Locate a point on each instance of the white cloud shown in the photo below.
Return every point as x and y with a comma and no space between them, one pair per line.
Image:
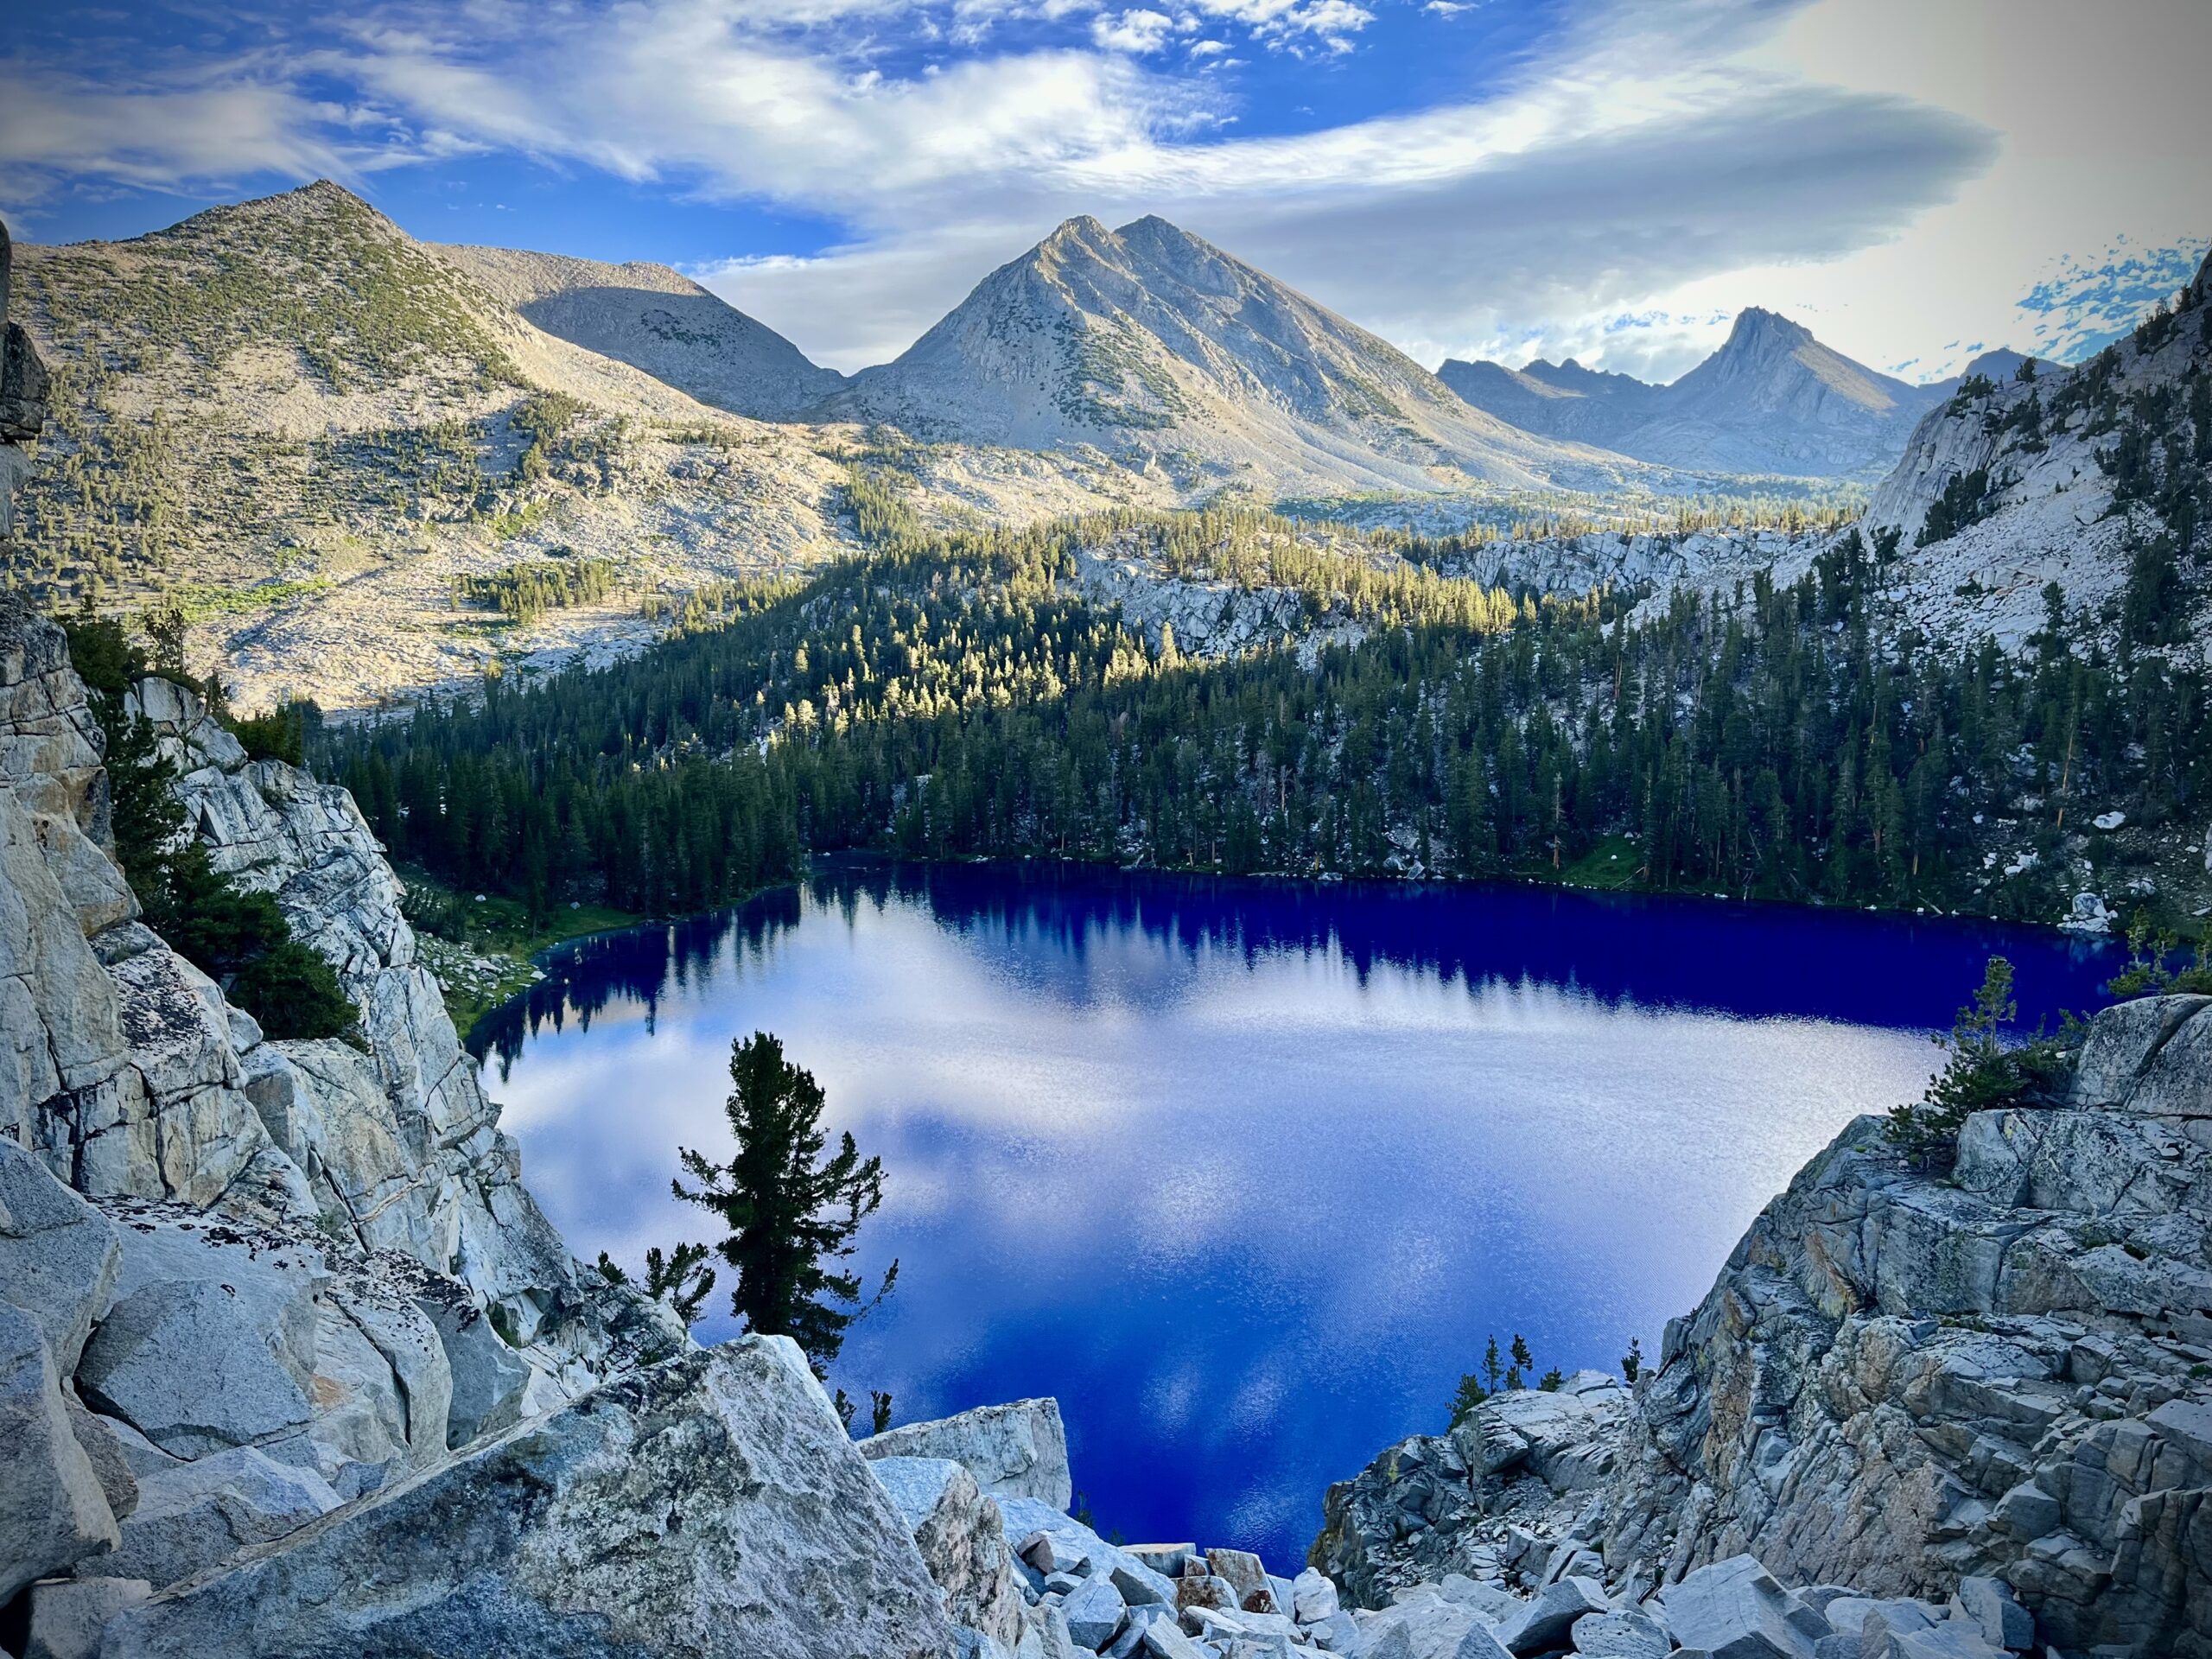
1332,22
677,92
223,124
1896,174
1136,31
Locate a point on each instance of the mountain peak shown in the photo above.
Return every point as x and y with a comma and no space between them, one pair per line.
1755,325
1081,228
1153,228
1151,339
324,199
269,220
327,190
1772,399
655,320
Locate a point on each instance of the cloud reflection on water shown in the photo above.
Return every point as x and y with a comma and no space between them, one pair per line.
1244,1173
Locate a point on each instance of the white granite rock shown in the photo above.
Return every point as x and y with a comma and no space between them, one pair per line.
53,1512
1548,1620
67,1615
962,1541
58,1256
1019,1449
711,1506
211,1343
192,1515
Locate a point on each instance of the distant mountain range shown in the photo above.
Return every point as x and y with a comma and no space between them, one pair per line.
1146,342
1772,399
306,426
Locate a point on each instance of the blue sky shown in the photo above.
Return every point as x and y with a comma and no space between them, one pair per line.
1509,178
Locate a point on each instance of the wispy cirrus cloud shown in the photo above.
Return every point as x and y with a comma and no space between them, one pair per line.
676,95
227,120
1614,170
1667,160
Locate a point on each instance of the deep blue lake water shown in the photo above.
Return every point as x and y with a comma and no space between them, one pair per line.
1245,1171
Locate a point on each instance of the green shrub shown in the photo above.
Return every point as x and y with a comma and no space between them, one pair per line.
527,590
239,937
1982,1073
280,734
292,993
144,814
102,651
2147,973
1468,1395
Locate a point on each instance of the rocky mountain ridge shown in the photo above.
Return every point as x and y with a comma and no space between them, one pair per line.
1772,399
1156,347
658,322
2016,483
304,427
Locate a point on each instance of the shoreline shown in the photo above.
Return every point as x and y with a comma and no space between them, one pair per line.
1516,881
1762,916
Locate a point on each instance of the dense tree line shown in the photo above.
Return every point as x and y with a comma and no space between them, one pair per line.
958,697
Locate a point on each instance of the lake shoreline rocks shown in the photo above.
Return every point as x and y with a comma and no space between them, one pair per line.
290,1363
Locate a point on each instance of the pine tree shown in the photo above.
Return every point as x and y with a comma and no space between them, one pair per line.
1468,1395
1523,1363
681,1278
1981,1073
792,1213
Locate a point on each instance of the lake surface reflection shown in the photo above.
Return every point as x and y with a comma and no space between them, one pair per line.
1244,1172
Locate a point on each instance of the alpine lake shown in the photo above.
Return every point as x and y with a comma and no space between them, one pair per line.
1246,1172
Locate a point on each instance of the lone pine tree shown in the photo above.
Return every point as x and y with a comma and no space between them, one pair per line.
792,1214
